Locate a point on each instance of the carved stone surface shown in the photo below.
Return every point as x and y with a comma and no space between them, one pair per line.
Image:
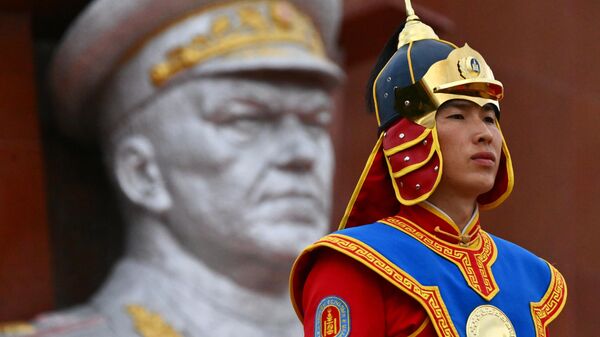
223,167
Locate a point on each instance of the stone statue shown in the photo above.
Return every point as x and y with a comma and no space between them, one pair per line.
213,118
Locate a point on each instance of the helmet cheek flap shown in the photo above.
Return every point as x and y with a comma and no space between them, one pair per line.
413,159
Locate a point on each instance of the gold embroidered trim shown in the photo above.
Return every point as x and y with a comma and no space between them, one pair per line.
241,26
548,308
431,208
17,328
475,264
428,296
150,324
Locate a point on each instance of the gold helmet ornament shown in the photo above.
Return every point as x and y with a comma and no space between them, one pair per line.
415,75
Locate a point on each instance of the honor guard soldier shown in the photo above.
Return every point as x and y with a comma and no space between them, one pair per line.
410,257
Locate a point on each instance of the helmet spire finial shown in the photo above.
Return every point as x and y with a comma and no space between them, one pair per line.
409,10
414,29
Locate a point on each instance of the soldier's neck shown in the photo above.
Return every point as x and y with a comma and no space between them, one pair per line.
458,207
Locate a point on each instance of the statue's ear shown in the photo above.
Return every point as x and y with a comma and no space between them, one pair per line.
138,174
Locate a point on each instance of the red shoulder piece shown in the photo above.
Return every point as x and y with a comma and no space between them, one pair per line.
375,308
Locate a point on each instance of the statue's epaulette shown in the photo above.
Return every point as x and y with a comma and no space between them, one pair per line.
73,323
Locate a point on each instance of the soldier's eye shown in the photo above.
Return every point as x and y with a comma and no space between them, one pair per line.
489,119
456,116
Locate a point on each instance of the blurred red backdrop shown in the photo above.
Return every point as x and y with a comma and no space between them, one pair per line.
543,53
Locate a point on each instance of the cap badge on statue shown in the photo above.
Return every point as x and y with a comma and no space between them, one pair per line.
238,28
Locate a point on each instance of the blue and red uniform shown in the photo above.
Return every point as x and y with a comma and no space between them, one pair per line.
416,274
399,266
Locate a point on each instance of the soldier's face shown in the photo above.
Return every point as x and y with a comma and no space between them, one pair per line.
248,164
470,142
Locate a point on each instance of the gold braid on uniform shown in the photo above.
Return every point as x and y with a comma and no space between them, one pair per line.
150,324
17,328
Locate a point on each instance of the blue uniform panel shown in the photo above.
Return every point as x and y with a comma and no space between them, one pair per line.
521,276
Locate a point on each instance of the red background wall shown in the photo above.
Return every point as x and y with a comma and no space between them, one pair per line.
25,276
543,52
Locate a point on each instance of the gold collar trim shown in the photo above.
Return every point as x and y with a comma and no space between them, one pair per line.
475,263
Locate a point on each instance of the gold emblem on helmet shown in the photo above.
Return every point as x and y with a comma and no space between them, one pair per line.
488,321
469,67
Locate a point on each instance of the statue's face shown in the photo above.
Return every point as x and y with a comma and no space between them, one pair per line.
248,165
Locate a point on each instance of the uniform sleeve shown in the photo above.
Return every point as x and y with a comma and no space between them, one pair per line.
405,316
335,276
376,308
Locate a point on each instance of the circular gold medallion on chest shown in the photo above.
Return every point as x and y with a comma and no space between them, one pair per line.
488,321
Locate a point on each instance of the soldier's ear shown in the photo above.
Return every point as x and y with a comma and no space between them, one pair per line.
138,174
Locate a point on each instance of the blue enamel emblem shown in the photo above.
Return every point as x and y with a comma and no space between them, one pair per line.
475,65
332,318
